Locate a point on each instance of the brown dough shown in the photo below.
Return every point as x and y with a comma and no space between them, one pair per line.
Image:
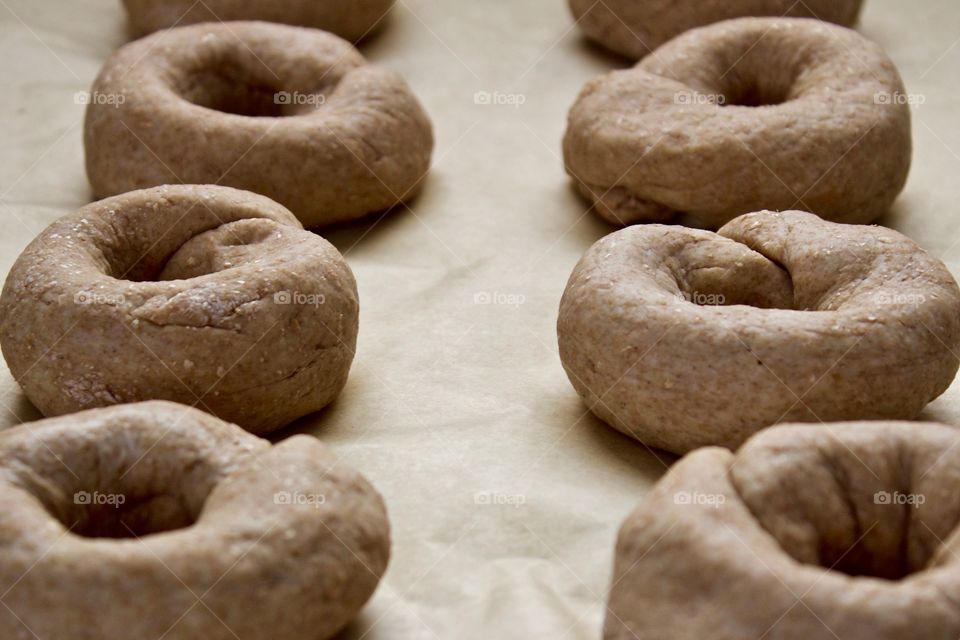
118,521
634,28
744,115
198,294
683,338
350,19
291,113
735,546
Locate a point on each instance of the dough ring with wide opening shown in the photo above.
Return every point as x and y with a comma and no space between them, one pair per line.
634,28
203,295
350,19
808,532
744,115
294,114
684,338
157,520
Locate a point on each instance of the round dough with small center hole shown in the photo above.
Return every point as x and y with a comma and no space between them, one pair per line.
155,520
807,532
295,114
740,116
203,295
684,338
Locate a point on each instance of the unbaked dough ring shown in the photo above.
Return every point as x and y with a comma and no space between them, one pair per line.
634,28
294,114
198,294
683,338
350,19
744,115
223,535
808,532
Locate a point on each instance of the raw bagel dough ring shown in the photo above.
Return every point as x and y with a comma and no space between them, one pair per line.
294,114
725,543
677,133
198,294
684,338
280,541
350,19
634,28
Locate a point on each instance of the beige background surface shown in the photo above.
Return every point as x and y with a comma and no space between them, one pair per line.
452,396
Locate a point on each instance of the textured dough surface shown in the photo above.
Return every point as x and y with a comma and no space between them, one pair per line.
684,338
203,295
350,19
294,114
279,541
744,115
634,28
733,546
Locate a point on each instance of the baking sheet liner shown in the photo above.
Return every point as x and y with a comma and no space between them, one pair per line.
504,494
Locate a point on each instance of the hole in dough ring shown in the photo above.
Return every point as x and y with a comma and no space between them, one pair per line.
203,295
684,338
860,518
280,541
634,29
291,113
350,19
744,115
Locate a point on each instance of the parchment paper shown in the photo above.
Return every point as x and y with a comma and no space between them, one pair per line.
504,495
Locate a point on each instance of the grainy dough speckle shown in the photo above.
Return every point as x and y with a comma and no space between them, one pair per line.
181,293
350,19
294,114
725,543
684,338
634,28
744,115
117,520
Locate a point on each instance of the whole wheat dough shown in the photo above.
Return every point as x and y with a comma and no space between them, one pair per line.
203,295
155,520
683,338
634,28
350,19
294,114
740,116
808,532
